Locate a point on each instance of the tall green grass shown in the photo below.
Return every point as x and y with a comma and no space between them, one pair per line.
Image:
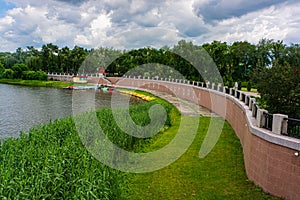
50,162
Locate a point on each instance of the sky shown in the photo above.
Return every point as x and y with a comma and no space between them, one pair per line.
127,24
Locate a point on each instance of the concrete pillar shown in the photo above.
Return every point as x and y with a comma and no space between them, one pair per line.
252,101
235,94
241,96
247,99
213,86
279,125
253,108
224,89
260,119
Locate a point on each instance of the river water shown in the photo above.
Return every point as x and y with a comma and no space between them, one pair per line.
23,107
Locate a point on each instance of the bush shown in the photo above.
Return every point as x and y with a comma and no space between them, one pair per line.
239,85
29,75
8,73
42,76
32,75
244,84
249,86
19,69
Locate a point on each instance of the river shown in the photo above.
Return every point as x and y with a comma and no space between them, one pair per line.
23,107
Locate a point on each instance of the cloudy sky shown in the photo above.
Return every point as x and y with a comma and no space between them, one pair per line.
139,23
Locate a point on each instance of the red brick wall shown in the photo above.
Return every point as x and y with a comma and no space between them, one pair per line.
273,167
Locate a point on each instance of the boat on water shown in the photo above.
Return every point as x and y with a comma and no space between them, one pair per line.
81,87
104,88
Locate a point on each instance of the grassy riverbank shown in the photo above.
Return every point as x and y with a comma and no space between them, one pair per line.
36,83
50,162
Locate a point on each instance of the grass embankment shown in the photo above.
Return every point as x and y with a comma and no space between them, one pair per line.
36,83
220,175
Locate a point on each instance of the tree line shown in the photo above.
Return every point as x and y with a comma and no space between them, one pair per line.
271,65
235,62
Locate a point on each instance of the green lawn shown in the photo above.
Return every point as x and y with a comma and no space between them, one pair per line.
220,175
33,83
252,90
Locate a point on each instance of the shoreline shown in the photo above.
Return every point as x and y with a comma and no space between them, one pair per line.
36,83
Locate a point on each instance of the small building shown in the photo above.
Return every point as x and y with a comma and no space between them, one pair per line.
102,72
80,79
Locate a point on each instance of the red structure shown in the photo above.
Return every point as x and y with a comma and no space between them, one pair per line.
102,71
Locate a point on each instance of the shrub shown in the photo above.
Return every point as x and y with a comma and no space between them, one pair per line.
18,69
42,76
8,73
249,86
32,75
29,75
239,85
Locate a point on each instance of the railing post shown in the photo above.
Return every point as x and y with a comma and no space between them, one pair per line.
241,96
212,86
279,125
251,102
253,109
247,99
260,120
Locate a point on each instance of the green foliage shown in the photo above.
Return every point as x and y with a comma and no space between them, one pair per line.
18,70
236,61
280,89
2,68
8,73
239,85
249,86
29,75
21,71
52,163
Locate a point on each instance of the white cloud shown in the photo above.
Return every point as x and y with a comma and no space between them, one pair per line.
138,23
276,23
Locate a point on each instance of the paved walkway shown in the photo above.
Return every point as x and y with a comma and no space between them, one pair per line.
185,107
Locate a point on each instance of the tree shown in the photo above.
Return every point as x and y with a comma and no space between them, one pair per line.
278,53
279,88
219,51
243,59
18,70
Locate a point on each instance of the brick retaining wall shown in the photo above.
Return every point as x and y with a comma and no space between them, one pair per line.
270,160
273,167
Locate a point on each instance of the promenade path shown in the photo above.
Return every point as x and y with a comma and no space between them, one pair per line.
187,108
